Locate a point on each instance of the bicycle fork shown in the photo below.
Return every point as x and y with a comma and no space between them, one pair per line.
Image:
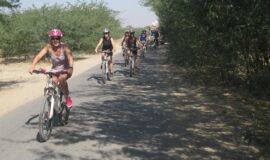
55,103
52,102
106,67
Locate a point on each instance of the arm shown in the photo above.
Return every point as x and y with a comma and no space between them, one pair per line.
123,40
99,43
38,57
138,43
70,60
69,56
113,45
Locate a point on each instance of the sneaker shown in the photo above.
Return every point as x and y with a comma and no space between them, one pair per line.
100,66
68,102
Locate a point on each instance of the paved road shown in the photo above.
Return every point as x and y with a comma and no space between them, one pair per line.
155,115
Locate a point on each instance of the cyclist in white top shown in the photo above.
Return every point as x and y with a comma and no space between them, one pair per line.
61,58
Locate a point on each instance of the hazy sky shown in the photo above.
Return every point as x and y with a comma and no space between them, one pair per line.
131,12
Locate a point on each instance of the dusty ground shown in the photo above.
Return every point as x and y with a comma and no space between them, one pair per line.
16,82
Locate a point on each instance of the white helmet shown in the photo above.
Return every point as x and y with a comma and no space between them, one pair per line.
106,30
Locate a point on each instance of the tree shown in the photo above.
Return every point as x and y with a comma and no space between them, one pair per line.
9,4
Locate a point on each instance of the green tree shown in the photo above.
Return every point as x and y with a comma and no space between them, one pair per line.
9,3
25,32
230,38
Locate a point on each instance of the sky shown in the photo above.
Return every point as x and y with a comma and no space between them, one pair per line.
131,12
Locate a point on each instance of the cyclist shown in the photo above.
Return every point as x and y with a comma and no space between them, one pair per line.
155,34
107,44
132,44
61,58
143,38
124,39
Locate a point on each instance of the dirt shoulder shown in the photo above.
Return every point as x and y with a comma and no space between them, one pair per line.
18,87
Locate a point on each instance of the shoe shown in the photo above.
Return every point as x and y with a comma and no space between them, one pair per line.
68,102
100,66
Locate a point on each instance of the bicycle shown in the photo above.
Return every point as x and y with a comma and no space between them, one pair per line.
54,110
132,60
126,56
143,48
105,66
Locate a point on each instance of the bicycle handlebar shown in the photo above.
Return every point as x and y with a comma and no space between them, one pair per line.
51,72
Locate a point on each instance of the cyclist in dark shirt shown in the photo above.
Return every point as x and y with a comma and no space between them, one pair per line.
132,44
107,44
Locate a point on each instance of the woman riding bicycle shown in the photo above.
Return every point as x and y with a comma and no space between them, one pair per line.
143,37
62,60
132,44
125,38
107,45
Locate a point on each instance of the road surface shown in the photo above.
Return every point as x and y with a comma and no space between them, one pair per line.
155,115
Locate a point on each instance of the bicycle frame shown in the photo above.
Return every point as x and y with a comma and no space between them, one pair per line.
105,65
53,93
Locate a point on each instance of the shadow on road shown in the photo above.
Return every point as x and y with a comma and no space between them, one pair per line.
157,115
8,84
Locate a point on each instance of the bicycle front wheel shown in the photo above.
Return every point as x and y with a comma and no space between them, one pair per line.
126,59
104,74
144,50
45,122
131,67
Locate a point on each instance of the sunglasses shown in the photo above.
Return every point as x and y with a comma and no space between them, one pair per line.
55,38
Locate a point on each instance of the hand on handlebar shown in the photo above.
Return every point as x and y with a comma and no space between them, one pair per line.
38,71
31,69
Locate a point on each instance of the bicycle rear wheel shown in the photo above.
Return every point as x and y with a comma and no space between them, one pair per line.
64,114
131,67
144,51
45,123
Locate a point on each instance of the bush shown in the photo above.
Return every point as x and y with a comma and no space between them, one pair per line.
26,32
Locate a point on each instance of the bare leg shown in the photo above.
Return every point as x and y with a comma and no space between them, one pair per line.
63,84
55,80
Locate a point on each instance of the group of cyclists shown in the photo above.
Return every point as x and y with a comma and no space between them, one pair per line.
62,58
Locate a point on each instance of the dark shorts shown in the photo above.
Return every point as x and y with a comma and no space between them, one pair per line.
134,51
